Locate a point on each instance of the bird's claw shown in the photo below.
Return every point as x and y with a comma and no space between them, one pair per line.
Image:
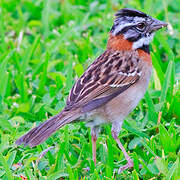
130,164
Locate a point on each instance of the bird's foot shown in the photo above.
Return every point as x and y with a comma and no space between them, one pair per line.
130,164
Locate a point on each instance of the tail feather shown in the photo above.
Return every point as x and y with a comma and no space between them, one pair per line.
40,133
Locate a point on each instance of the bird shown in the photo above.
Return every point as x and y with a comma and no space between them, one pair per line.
112,86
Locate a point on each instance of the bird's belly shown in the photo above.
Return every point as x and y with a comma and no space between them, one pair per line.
115,110
118,108
95,118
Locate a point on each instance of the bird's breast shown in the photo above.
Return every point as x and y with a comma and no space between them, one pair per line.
119,107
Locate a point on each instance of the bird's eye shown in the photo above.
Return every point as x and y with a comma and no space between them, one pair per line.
141,26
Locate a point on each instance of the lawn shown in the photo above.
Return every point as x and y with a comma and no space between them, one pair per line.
44,47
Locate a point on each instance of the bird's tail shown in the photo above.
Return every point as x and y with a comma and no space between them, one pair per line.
40,133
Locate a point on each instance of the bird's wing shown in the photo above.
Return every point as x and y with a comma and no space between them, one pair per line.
108,76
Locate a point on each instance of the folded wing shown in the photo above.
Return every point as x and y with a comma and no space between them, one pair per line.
109,75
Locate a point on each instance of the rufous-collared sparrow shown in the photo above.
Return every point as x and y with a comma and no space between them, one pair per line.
112,85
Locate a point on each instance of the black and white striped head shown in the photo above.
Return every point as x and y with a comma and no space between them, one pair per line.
136,27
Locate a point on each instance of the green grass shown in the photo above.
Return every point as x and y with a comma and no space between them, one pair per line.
44,47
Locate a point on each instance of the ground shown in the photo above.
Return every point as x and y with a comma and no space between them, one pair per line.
44,47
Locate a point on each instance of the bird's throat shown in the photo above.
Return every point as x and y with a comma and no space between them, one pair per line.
119,43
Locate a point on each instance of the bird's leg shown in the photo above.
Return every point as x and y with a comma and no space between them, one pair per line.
94,134
116,127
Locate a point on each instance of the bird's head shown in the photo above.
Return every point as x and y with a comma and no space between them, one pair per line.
136,27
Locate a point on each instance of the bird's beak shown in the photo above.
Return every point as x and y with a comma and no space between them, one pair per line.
156,25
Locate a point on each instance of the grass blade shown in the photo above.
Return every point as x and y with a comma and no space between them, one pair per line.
5,124
29,53
6,167
152,115
127,126
29,174
135,175
172,170
2,32
45,17
161,166
3,73
43,75
157,67
58,175
166,83
166,139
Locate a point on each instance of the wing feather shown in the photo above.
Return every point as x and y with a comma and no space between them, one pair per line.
108,76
